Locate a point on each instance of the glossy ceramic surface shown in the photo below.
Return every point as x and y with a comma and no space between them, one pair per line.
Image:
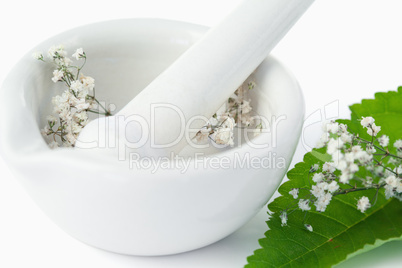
110,205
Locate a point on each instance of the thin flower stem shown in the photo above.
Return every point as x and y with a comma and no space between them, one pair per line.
296,208
379,148
95,112
304,218
66,81
107,113
346,191
368,142
388,154
308,189
374,200
82,66
387,168
392,155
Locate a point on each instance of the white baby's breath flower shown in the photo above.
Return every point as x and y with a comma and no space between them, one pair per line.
81,105
73,101
57,76
304,204
88,82
79,53
45,131
79,89
37,56
308,227
333,186
71,138
60,99
228,122
343,128
345,177
202,135
342,165
326,198
76,129
76,86
332,127
65,115
53,145
246,119
398,145
373,130
318,177
284,218
81,116
368,181
224,136
353,168
328,167
399,187
393,161
319,189
356,149
245,107
388,173
379,171
346,137
350,157
319,206
322,202
392,181
363,204
294,192
63,62
370,149
51,118
333,145
94,105
52,52
363,157
67,95
389,191
236,111
314,168
56,52
337,157
367,121
398,170
383,140
322,141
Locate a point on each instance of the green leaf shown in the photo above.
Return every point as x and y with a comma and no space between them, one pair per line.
321,156
386,109
341,231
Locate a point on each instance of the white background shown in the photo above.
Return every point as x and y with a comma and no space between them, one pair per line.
341,51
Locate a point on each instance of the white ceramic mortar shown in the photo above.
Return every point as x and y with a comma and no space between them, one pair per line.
105,203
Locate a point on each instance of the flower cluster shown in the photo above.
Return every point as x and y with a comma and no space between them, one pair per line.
73,105
236,112
351,154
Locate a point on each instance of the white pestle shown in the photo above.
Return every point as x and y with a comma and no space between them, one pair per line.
198,82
